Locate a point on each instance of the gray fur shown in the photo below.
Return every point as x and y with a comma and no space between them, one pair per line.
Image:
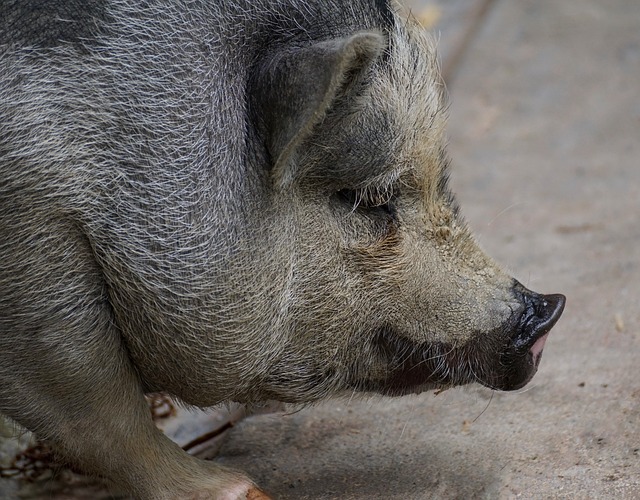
238,200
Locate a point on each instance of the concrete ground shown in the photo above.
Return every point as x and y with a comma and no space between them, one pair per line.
545,141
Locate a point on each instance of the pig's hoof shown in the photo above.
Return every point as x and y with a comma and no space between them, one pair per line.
256,494
239,492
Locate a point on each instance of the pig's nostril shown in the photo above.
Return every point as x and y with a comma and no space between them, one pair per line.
551,306
541,312
536,316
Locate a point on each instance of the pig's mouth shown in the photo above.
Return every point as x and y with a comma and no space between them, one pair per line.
505,359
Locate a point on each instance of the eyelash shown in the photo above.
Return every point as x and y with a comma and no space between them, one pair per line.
369,200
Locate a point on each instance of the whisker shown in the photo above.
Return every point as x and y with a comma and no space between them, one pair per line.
485,408
504,210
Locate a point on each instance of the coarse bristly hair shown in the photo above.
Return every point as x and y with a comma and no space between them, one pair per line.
240,200
124,139
128,134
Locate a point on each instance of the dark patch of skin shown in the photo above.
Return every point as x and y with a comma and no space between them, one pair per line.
49,23
493,359
414,367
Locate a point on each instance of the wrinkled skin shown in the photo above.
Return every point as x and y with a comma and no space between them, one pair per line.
244,201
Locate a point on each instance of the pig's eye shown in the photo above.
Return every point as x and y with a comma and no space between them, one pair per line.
370,201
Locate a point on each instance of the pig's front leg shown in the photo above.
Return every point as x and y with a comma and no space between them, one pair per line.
88,402
66,375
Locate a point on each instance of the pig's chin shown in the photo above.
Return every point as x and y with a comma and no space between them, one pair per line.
411,367
505,359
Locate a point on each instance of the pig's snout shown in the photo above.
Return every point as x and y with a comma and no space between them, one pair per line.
538,315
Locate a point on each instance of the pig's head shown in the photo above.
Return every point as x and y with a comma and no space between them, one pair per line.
375,280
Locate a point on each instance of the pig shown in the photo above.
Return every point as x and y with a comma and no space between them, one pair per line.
243,200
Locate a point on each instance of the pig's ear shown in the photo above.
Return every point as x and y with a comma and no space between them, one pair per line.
295,89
